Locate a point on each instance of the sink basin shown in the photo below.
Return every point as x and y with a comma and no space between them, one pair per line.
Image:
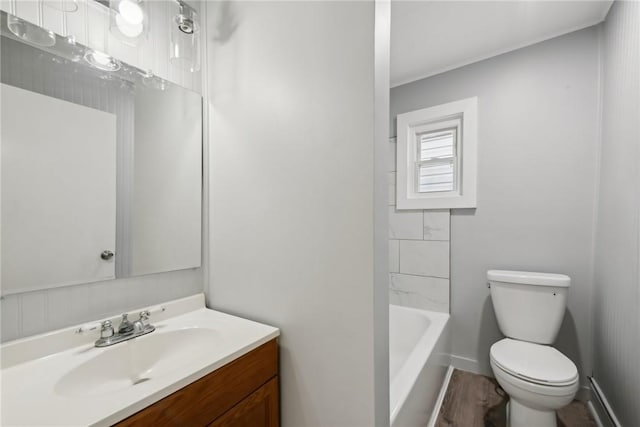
62,376
136,361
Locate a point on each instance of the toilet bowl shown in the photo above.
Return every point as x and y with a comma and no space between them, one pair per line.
538,378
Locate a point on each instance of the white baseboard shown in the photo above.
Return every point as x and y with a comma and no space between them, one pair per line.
584,394
469,365
465,364
441,395
594,413
600,407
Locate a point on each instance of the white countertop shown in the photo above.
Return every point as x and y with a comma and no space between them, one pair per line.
35,369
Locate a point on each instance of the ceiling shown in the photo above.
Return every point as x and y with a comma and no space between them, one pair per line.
431,37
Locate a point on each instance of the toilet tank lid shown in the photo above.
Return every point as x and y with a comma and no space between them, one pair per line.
529,278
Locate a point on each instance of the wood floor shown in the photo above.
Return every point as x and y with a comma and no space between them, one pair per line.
477,401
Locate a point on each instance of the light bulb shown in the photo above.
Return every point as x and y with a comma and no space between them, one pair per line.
128,29
131,12
101,58
102,61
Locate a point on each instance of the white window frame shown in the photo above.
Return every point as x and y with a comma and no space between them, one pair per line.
443,125
460,114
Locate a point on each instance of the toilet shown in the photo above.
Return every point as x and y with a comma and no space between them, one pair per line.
538,378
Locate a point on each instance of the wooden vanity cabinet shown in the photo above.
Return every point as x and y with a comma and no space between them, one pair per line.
243,393
259,409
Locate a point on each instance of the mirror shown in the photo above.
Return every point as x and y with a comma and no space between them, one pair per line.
101,168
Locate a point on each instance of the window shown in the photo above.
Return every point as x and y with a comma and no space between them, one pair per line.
436,161
437,150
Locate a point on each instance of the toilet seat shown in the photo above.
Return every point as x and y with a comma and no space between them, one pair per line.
534,363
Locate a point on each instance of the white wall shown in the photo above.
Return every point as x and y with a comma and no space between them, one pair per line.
292,197
537,112
616,298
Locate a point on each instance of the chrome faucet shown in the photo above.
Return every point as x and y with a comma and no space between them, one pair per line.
125,326
126,331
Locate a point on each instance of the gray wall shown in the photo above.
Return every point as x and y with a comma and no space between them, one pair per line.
292,198
616,298
538,114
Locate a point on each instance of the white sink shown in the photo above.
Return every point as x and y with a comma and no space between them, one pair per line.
133,362
60,378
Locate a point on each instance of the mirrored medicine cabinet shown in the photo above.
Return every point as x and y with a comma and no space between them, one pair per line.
101,168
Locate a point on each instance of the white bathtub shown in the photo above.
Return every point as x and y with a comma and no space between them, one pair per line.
419,357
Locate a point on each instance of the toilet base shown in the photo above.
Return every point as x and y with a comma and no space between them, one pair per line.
519,415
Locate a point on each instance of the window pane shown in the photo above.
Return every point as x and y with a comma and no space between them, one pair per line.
436,176
440,144
436,169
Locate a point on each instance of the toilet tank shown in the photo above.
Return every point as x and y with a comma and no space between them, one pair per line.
529,306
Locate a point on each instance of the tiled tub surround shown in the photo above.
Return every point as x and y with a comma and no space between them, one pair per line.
418,252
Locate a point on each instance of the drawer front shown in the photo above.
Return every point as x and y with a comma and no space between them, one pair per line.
204,400
260,409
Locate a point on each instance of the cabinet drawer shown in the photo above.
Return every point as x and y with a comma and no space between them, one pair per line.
260,409
206,399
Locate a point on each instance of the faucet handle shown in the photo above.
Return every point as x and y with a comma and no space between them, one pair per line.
144,317
125,325
106,329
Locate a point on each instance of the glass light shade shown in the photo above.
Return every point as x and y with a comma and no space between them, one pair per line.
30,33
67,6
185,40
154,82
102,61
129,20
68,48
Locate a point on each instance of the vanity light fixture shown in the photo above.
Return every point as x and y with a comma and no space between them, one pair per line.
102,61
67,6
70,50
152,81
185,24
128,20
33,34
185,38
30,33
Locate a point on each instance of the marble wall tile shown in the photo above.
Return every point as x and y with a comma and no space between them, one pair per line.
424,258
406,225
436,224
427,293
418,252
